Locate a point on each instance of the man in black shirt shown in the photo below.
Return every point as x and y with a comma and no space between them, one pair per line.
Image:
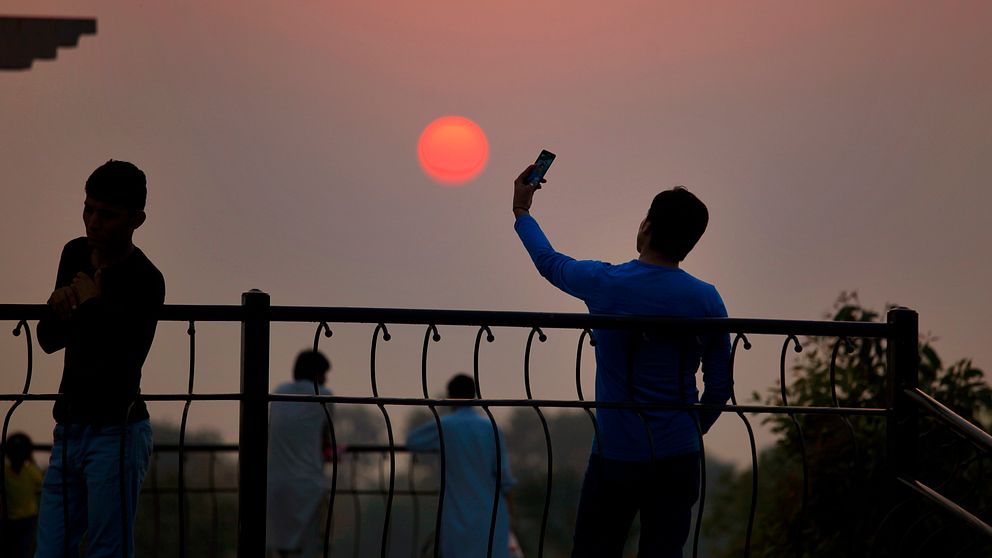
103,313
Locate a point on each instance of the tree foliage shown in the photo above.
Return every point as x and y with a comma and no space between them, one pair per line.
852,505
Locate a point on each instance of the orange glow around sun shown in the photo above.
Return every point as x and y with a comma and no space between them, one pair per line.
453,150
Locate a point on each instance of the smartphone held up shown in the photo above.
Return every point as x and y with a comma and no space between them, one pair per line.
541,166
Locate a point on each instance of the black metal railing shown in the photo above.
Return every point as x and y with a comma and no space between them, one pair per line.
256,316
164,480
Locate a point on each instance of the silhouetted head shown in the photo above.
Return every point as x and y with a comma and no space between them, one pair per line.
462,386
118,183
18,450
674,224
310,366
115,205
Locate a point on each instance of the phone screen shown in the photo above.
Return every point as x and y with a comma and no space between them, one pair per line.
541,166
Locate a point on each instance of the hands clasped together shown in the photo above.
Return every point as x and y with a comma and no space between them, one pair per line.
66,299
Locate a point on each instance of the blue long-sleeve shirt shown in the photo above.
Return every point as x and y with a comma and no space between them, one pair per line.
632,368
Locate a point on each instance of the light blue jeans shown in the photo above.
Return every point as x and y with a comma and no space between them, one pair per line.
91,478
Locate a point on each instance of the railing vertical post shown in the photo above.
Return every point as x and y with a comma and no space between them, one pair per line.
902,430
254,424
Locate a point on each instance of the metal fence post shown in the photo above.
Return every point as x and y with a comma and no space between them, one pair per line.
253,435
903,360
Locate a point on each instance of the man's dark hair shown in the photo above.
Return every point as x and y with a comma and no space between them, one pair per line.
462,386
18,449
678,219
309,365
119,183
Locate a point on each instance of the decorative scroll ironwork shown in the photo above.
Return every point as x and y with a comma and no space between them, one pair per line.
431,328
798,528
740,337
22,325
578,382
183,501
322,327
497,493
915,489
547,436
384,546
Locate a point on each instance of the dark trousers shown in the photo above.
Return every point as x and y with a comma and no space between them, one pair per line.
91,478
662,491
18,537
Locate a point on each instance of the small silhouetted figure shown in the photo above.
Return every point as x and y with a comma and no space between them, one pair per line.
299,443
19,509
648,466
470,482
103,312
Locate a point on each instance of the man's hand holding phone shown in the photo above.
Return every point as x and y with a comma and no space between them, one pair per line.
530,181
523,192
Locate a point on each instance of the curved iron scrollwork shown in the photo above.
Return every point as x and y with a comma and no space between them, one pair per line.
322,327
384,546
183,502
497,493
913,404
738,339
433,334
22,325
547,436
578,383
797,347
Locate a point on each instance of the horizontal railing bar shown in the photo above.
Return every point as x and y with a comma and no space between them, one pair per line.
231,448
172,490
549,403
384,492
15,312
170,448
145,397
574,321
939,411
948,505
168,490
234,313
169,312
570,404
372,448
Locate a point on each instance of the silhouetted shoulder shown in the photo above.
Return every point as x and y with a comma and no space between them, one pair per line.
76,251
76,245
149,273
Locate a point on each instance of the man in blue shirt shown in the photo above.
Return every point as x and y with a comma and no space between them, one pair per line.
645,462
470,482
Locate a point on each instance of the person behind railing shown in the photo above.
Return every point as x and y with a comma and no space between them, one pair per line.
652,468
103,312
299,442
19,509
470,482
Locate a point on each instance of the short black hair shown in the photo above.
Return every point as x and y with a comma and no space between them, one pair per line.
678,219
309,365
18,449
462,386
119,183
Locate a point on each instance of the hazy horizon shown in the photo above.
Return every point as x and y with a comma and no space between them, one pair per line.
840,146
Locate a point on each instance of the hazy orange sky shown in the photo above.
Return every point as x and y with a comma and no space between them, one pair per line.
839,146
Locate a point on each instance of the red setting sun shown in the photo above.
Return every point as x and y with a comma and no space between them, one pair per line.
453,150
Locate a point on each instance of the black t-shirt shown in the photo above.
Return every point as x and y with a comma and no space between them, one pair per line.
106,340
